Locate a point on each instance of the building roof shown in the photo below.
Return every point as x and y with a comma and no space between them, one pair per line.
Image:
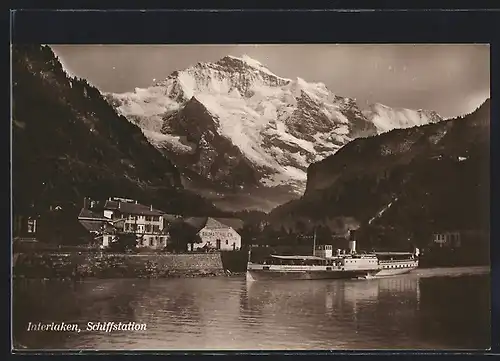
97,225
218,223
87,213
213,223
92,226
199,223
234,223
132,208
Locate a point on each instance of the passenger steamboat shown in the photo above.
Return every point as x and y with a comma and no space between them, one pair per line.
323,264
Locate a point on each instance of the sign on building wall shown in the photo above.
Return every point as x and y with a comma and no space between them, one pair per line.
217,233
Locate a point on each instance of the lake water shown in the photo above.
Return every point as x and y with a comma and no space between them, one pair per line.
426,309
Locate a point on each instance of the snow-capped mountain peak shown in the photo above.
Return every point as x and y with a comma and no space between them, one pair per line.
248,125
254,64
386,118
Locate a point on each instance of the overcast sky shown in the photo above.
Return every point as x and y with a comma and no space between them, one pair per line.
450,79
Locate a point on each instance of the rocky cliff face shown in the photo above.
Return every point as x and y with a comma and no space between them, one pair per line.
236,125
426,178
68,142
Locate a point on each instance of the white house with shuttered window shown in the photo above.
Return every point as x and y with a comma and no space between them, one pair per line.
145,221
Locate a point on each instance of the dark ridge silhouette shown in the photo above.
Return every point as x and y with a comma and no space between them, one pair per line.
68,143
436,178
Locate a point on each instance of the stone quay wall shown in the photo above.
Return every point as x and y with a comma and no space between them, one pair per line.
107,265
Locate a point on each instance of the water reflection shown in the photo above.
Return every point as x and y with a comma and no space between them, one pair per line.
55,301
412,311
358,313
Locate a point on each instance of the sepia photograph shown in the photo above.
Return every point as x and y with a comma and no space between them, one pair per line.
187,197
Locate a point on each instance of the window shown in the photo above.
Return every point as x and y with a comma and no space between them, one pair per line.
148,218
151,241
31,225
148,228
156,218
156,228
227,242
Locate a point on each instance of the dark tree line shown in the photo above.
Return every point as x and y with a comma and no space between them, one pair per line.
68,143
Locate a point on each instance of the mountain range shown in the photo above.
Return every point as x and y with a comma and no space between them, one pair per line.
411,182
69,143
244,137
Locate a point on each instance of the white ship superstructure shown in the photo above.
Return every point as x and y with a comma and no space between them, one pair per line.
324,264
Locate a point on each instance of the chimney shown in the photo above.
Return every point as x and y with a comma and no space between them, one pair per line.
151,208
135,202
85,203
119,204
352,246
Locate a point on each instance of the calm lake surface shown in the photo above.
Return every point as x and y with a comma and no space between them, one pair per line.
427,309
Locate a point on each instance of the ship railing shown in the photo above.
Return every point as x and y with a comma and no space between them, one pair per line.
396,260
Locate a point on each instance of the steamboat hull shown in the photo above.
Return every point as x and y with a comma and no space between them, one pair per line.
257,275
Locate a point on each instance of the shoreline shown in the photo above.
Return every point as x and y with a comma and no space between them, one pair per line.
80,266
77,266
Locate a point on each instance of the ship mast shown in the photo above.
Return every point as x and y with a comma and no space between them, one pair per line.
314,242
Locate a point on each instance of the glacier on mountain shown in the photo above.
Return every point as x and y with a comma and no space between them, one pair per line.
279,125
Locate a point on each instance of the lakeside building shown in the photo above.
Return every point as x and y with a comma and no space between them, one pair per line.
447,239
105,220
129,216
25,226
101,229
30,224
461,238
220,234
121,215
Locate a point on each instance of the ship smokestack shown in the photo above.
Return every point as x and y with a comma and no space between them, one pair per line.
352,246
352,241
